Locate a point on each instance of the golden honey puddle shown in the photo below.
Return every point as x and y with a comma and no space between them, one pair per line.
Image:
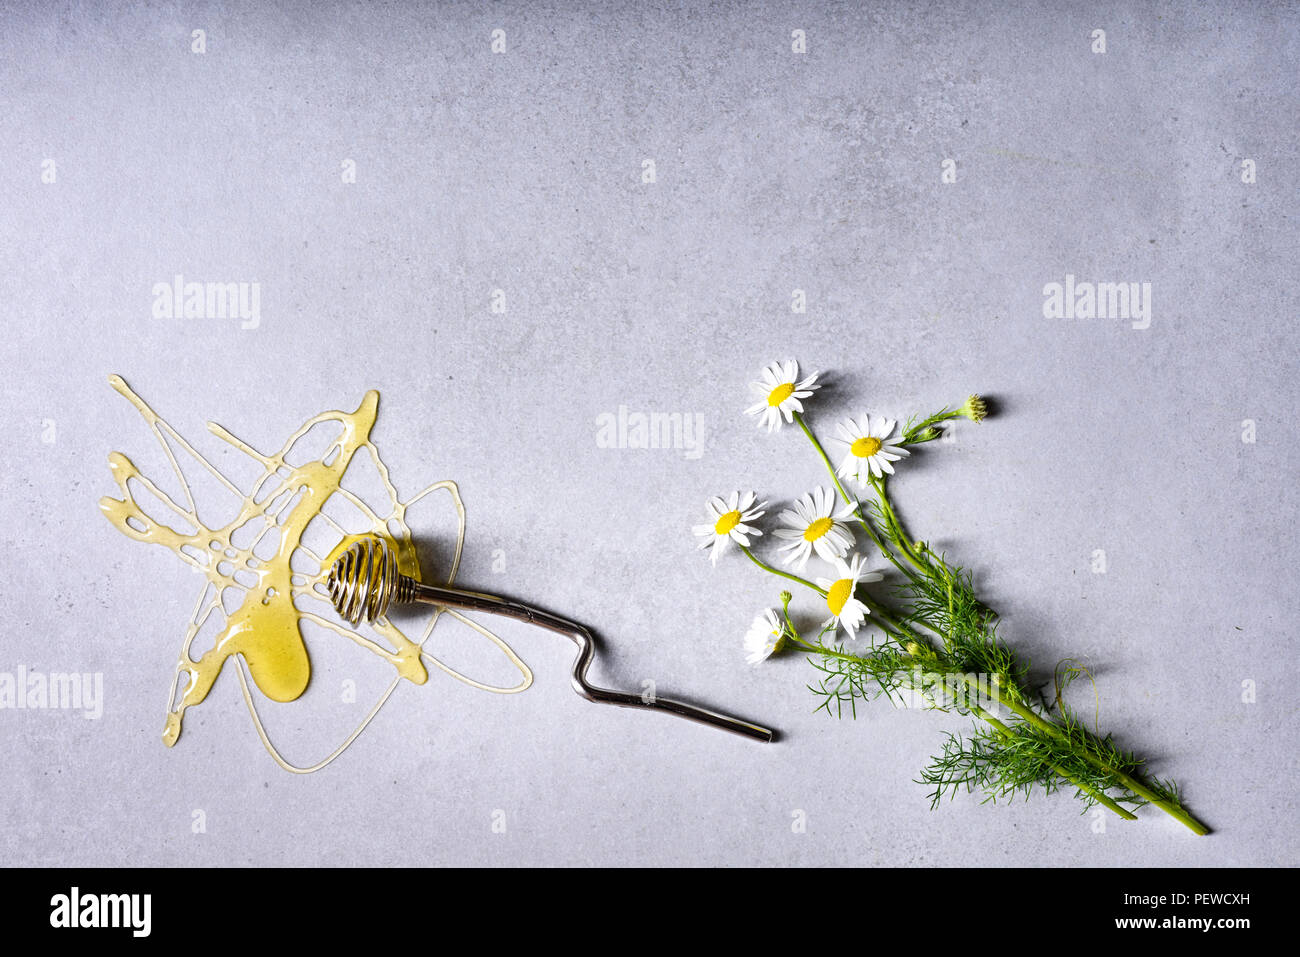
264,631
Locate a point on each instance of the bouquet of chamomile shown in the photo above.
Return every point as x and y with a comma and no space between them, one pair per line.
934,644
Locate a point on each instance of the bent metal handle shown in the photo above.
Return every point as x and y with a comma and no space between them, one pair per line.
365,580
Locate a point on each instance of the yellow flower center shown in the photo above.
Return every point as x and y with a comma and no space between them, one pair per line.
780,393
865,447
727,522
817,529
838,595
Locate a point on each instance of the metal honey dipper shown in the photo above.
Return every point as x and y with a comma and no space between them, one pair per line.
365,580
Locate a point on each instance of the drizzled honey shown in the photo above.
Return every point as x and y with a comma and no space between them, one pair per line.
264,628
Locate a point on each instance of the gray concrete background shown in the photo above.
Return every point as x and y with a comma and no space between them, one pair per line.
775,171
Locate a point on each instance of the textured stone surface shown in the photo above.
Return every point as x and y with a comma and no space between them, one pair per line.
774,171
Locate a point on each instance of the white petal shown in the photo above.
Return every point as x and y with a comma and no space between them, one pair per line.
826,551
837,539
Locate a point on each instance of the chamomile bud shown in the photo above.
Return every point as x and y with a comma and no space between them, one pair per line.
975,408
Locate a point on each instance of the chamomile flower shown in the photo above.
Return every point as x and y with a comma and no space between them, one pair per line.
765,638
846,610
781,391
871,448
814,524
727,522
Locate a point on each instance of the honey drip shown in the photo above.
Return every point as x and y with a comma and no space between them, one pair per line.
263,632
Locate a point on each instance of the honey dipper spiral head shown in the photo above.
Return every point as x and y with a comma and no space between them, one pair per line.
364,580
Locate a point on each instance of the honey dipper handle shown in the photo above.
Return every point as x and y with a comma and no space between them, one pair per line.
410,590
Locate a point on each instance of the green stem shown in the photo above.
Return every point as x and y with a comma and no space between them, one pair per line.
1005,731
1033,718
776,571
823,650
913,435
899,627
896,527
1130,782
1083,786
